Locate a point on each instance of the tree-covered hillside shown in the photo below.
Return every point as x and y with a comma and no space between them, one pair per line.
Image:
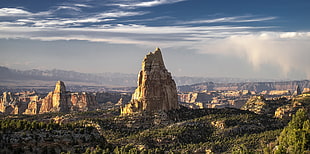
178,131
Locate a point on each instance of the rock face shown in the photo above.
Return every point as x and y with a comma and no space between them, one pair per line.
9,104
56,101
193,97
297,102
60,100
156,89
33,108
260,105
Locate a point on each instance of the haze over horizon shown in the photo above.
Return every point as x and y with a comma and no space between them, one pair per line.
240,39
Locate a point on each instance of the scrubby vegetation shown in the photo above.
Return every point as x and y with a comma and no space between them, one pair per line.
295,138
189,131
177,131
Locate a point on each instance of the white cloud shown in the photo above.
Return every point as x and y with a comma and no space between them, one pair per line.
118,14
146,4
14,12
83,5
68,8
17,12
271,48
45,19
234,19
287,50
292,35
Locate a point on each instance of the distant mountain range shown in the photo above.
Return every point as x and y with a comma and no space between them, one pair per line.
8,75
35,77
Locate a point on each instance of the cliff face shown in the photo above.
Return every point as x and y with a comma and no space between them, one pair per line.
193,97
156,89
82,102
9,104
56,101
33,108
61,101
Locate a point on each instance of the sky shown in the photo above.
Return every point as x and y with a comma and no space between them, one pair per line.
204,38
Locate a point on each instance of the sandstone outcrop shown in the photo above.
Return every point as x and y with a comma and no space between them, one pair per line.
9,104
286,111
60,100
33,108
260,105
156,89
56,101
193,97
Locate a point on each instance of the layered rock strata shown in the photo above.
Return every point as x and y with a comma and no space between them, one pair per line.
156,89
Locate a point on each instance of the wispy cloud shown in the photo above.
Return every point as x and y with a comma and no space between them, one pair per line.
135,4
258,44
82,5
165,35
18,17
234,19
286,50
118,14
13,12
18,12
74,8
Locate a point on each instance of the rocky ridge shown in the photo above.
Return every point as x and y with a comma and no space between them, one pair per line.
279,107
251,86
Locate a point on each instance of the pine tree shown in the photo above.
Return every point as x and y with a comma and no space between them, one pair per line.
295,138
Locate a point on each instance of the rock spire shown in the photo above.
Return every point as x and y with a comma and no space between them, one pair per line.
60,100
156,89
60,87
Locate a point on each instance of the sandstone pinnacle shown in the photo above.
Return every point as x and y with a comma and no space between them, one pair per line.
156,89
60,100
60,87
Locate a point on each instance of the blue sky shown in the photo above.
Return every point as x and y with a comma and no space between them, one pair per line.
245,39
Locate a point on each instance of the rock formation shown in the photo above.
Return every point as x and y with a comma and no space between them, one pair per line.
82,102
193,97
297,91
7,103
261,105
10,104
156,89
60,100
297,102
251,86
56,101
33,108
